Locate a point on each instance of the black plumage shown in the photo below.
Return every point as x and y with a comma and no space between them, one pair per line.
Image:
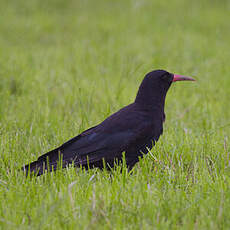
134,129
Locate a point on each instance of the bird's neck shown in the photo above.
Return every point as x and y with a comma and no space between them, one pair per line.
154,107
151,99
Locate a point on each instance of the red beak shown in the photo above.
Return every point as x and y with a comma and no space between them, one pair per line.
182,78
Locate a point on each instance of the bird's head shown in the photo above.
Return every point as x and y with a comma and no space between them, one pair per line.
155,85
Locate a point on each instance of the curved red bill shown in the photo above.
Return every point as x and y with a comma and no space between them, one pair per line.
177,77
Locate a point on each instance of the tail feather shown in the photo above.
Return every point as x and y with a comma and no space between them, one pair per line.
35,167
54,160
48,163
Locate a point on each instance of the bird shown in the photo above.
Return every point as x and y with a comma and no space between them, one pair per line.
130,132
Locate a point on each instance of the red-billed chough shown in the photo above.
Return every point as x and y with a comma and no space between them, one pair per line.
134,129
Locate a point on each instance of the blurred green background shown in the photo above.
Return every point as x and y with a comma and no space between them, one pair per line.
67,65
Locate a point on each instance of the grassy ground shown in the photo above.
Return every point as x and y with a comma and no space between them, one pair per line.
67,65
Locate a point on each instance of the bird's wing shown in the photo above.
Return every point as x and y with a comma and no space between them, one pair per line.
113,136
90,146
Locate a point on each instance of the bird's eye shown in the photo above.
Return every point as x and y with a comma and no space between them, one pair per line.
166,77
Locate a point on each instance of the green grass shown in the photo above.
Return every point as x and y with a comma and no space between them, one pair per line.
67,65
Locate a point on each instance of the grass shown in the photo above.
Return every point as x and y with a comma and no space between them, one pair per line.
67,65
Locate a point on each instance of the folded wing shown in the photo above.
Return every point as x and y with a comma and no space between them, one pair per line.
87,149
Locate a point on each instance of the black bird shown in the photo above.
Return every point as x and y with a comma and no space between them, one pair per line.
134,129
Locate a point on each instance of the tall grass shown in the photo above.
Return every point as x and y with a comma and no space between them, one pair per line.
67,65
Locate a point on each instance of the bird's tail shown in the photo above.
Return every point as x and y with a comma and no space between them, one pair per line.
34,167
50,161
